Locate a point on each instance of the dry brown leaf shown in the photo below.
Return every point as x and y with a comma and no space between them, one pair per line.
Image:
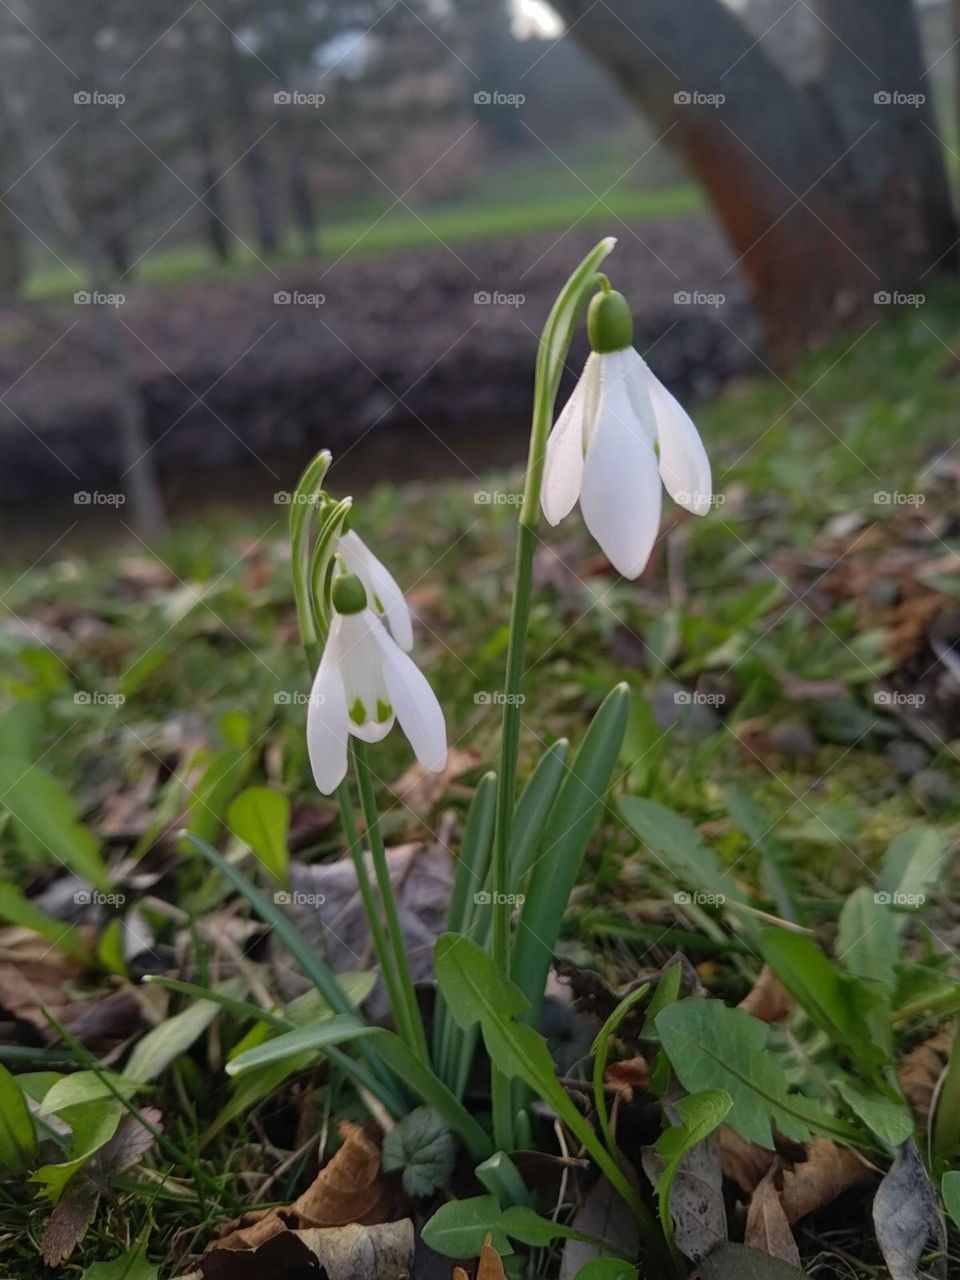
349,1190
421,790
628,1077
828,1171
767,1226
742,1162
70,1219
460,1274
920,1070
491,1266
380,1252
768,999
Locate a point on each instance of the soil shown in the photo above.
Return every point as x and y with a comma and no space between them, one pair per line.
401,347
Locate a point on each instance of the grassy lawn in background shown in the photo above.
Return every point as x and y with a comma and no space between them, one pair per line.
593,184
754,647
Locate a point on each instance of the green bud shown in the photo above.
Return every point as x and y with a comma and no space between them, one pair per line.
609,322
349,594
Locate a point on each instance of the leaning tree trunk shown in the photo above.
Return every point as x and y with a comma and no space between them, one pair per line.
874,82
780,176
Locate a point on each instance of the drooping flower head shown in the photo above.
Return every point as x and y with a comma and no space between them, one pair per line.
618,436
363,684
383,592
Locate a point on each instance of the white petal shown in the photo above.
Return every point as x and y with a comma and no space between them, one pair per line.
381,586
327,730
621,487
416,705
563,468
684,465
360,661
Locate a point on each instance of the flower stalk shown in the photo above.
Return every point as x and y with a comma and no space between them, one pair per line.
551,354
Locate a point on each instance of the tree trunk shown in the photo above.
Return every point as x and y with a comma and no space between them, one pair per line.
782,181
254,165
875,85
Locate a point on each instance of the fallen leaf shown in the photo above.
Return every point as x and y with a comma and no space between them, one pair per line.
768,999
354,1252
742,1162
739,1262
908,1220
697,1209
604,1215
70,1219
767,1227
349,1190
920,1070
491,1266
827,1173
421,790
628,1077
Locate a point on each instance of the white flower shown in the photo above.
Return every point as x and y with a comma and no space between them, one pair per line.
621,433
364,682
382,589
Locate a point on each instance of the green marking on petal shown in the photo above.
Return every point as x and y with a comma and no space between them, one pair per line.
384,711
378,603
358,712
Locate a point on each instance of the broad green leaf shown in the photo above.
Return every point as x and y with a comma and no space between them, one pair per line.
837,1004
606,1269
82,1087
711,1046
131,1265
867,943
260,817
888,1119
776,865
17,909
476,991
950,1190
222,778
423,1149
700,1114
536,801
432,1091
165,1043
914,861
48,823
18,1138
337,1030
93,1124
459,1228
564,843
676,843
526,1225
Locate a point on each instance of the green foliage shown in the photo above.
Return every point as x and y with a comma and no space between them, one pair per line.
18,1138
700,1115
260,817
711,1046
47,821
335,1031
131,1265
422,1148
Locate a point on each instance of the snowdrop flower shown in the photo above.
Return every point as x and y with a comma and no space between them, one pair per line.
364,682
382,589
621,433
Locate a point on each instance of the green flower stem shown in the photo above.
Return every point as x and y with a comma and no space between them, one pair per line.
551,354
405,1009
